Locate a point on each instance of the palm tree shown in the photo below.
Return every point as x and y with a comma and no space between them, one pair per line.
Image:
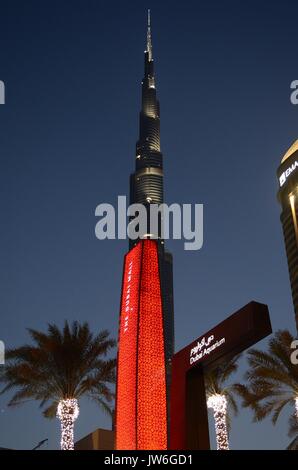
272,381
293,432
221,398
58,369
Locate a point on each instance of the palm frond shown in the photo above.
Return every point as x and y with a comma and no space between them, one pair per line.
51,410
60,364
271,382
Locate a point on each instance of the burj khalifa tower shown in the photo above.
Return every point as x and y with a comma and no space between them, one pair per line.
146,321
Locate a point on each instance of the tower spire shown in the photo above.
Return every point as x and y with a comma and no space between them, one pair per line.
149,41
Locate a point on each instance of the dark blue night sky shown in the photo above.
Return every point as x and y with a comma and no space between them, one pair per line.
72,71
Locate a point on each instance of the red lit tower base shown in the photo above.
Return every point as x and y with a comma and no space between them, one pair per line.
141,406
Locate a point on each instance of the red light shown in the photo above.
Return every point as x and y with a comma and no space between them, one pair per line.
127,352
141,414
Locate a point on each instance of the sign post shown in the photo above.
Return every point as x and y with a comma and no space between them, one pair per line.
189,417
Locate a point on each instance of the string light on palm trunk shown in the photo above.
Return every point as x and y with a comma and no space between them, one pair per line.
67,412
296,406
218,403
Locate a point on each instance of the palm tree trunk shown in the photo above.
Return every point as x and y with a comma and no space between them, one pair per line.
67,412
219,405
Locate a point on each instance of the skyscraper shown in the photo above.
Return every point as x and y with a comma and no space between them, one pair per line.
146,325
146,183
288,197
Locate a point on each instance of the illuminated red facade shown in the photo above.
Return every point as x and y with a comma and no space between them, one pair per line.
141,405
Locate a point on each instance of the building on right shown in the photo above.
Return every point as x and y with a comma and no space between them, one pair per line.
287,174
